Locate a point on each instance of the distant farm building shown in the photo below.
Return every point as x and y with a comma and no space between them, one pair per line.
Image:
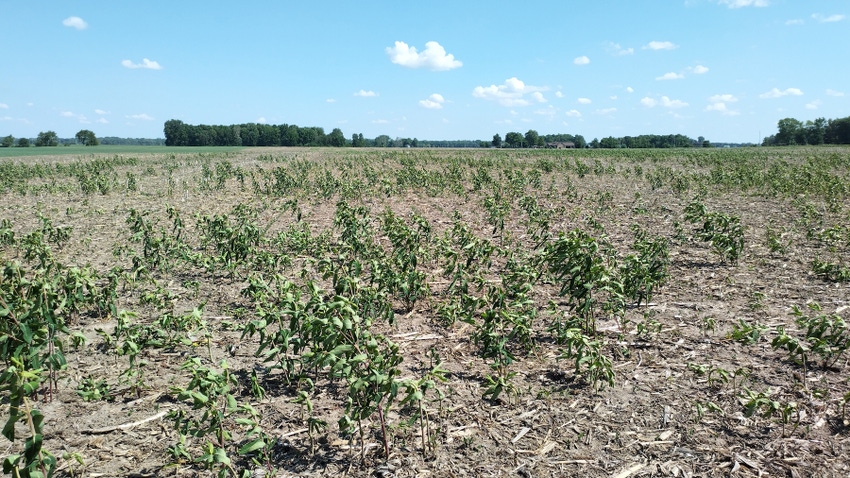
561,145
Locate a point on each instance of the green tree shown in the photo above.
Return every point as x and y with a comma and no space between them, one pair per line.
23,143
594,143
816,131
8,141
382,141
497,141
531,138
514,139
838,131
87,138
47,138
579,141
790,130
336,138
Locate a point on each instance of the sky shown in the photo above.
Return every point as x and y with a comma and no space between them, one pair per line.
727,70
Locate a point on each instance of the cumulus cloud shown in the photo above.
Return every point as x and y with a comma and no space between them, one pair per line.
670,76
777,93
142,116
4,106
813,105
718,103
723,98
549,111
261,120
665,101
744,3
629,89
433,57
834,93
511,93
146,64
101,112
827,19
366,93
75,22
582,60
79,117
699,70
616,49
660,45
330,100
558,94
605,111
584,101
573,114
433,102
795,21
102,121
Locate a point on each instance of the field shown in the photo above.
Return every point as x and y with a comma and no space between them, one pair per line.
429,313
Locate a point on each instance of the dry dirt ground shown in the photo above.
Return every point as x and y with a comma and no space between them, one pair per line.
681,379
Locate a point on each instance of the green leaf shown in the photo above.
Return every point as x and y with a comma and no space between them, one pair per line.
252,446
220,456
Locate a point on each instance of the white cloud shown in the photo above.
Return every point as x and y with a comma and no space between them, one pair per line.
101,112
75,22
605,111
4,106
582,60
629,89
584,101
668,103
813,105
510,94
434,57
558,94
366,94
795,21
538,97
330,100
827,19
434,102
744,3
143,117
573,114
146,64
67,114
724,98
613,97
261,120
616,49
665,101
660,45
777,93
699,70
670,76
102,121
834,93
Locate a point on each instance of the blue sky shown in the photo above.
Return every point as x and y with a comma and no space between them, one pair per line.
727,70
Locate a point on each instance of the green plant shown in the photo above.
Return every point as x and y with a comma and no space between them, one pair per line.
724,232
94,390
22,382
210,393
746,332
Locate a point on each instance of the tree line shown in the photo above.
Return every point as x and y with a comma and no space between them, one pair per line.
820,131
532,139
